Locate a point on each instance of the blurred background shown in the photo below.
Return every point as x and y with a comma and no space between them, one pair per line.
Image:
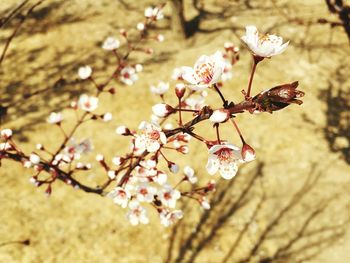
290,205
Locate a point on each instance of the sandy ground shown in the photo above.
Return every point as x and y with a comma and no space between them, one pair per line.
72,226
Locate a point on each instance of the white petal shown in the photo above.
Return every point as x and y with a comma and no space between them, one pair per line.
212,165
228,171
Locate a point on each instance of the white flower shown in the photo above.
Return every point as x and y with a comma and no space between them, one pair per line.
6,133
162,110
263,45
168,218
87,103
55,117
99,157
107,117
74,150
150,139
224,158
220,115
34,158
206,71
120,196
128,75
137,214
160,89
111,43
168,196
154,13
161,178
84,72
145,193
189,174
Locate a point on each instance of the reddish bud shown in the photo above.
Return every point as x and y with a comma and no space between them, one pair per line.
180,90
248,153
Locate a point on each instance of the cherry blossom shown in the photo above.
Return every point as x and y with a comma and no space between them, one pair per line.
111,43
137,214
206,71
160,89
168,196
128,75
145,193
88,103
150,139
189,175
261,45
55,118
225,159
120,196
168,218
84,72
154,13
34,158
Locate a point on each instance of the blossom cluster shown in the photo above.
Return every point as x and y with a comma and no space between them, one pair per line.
146,177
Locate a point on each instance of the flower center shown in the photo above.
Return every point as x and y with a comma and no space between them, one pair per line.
167,196
205,72
143,191
225,155
154,135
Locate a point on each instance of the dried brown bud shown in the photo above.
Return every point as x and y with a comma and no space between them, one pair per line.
278,97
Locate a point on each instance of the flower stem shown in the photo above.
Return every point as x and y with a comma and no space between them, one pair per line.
224,101
256,61
238,130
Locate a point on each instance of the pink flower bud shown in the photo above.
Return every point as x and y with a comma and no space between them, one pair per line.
162,110
248,153
180,90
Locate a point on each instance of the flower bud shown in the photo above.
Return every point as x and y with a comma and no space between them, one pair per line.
248,153
160,38
220,115
34,158
85,72
204,203
99,157
111,174
123,130
173,167
6,134
279,97
162,110
140,26
180,90
107,117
